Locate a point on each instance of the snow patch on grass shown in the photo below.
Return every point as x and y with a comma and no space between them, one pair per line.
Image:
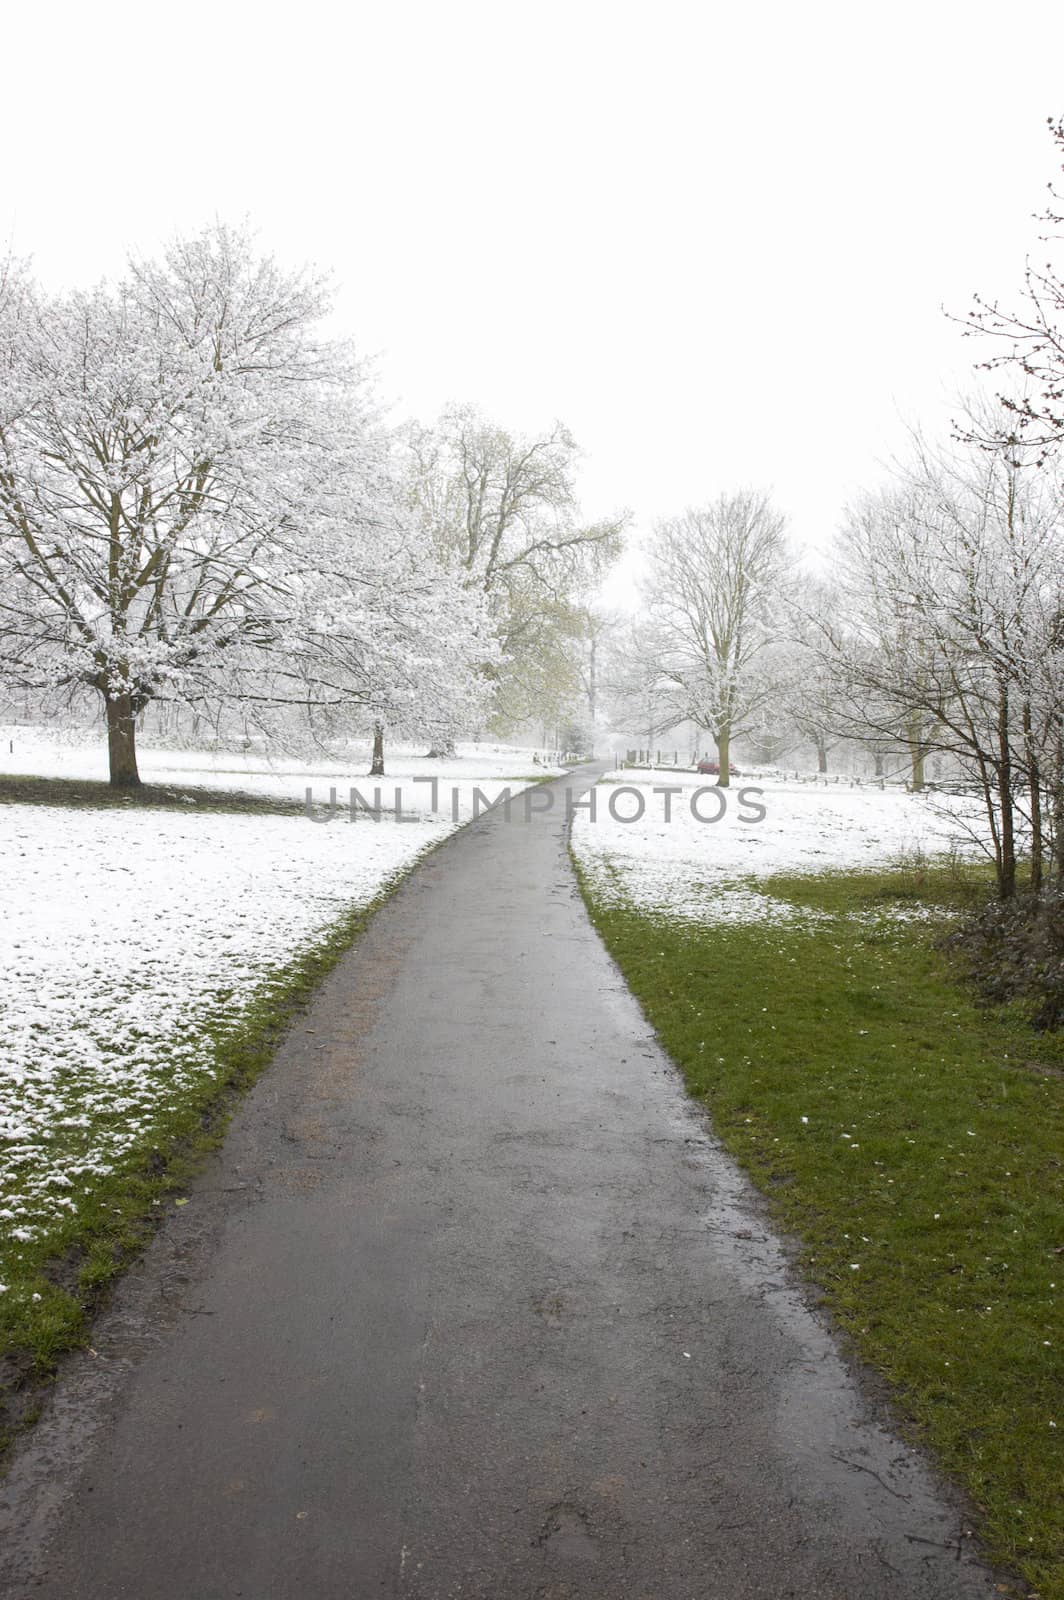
707,872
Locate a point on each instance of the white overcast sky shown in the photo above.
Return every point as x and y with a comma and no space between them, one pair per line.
715,239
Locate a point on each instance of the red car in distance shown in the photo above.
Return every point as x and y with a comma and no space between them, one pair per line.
712,768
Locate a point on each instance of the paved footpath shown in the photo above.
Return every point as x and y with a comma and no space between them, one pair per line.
471,1305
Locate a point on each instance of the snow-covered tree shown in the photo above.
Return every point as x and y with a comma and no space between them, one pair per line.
397,644
808,690
638,694
879,670
713,596
596,626
502,510
950,630
198,502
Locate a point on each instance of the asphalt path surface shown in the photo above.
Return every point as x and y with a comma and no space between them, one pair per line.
471,1304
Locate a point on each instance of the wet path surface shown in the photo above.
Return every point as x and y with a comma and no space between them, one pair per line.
470,1305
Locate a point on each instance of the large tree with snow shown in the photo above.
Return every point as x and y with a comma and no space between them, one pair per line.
196,499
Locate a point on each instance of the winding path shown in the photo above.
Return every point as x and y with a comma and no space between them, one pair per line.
470,1304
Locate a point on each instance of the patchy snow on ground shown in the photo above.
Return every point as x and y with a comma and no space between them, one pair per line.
698,853
127,934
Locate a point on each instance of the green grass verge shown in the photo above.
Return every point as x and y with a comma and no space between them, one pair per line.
911,1141
54,1285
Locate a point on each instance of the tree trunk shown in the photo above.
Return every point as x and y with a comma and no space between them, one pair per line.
1007,872
821,756
121,741
916,755
1057,808
723,740
879,764
376,769
1034,789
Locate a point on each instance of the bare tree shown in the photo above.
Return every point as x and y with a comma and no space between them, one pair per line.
1034,334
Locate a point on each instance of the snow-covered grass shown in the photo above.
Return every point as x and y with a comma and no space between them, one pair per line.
27,750
133,940
699,855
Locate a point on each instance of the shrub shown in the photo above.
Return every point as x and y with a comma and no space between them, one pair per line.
1014,950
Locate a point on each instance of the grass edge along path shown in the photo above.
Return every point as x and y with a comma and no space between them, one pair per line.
909,1140
70,1270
